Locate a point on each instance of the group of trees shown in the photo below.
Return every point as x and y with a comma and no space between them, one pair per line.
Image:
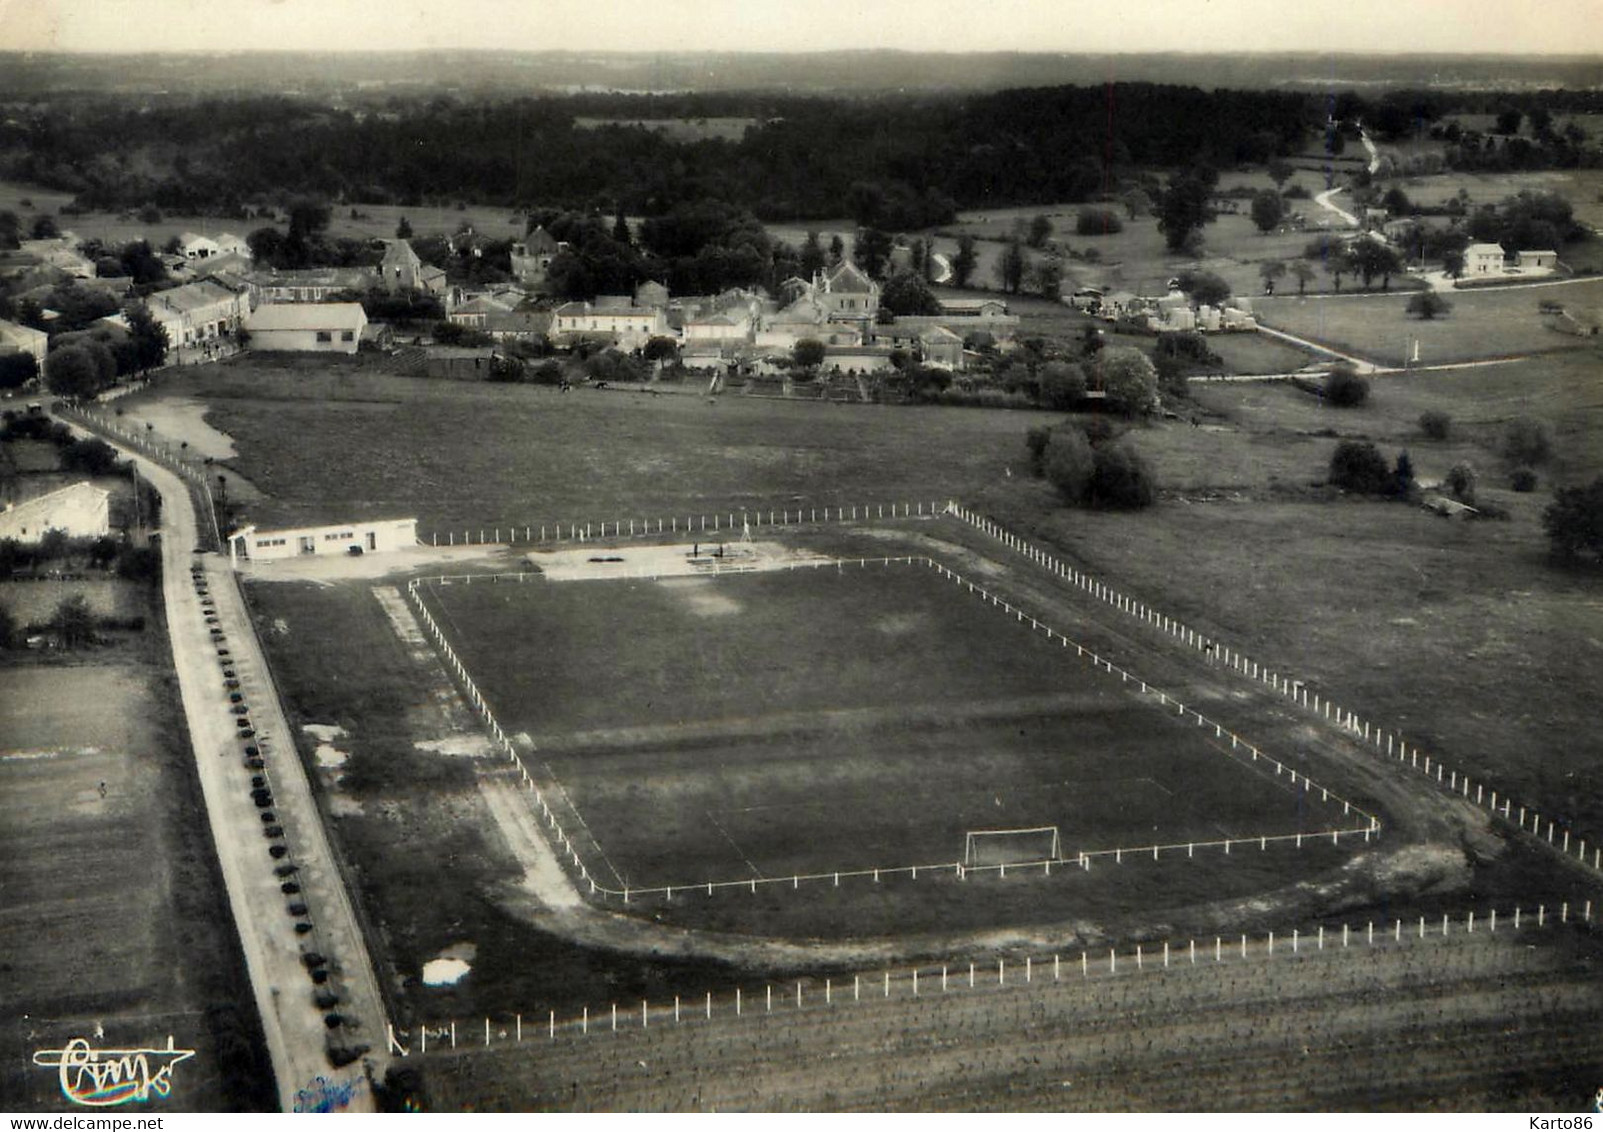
901,162
1092,464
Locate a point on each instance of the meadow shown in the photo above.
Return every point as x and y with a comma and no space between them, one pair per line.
1490,323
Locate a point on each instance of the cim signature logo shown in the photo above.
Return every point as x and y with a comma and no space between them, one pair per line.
102,1078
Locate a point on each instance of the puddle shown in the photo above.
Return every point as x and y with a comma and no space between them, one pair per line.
450,966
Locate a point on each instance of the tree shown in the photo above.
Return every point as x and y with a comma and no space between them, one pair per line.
1205,287
1428,304
964,262
1508,120
907,293
1574,521
1344,388
1046,278
1040,231
1061,384
660,348
1097,222
1271,270
1183,210
1267,210
1358,466
1304,271
73,372
811,260
17,368
9,635
1136,203
1435,424
149,338
620,228
1010,267
45,227
1453,262
1128,380
1121,479
837,248
1069,463
807,353
308,218
1526,442
1280,171
1460,483
1370,258
141,263
403,230
74,622
872,250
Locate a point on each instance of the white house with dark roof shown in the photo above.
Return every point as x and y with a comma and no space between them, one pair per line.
324,327
626,324
79,510
847,293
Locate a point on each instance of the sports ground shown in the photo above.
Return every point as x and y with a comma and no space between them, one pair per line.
844,718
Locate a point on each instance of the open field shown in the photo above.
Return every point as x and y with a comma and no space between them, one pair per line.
695,749
33,602
370,444
1477,1022
115,928
1491,323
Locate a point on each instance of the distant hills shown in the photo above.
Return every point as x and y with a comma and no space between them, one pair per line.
367,75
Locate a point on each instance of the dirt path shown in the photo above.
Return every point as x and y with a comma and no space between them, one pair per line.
296,1032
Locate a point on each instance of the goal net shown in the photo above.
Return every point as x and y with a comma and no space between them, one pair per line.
1011,846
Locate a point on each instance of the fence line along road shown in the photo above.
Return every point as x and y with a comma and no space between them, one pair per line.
1560,838
548,803
1225,953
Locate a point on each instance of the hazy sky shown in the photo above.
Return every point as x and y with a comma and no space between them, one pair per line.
1504,26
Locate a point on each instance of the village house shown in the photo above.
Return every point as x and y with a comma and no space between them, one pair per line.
517,324
325,327
402,270
475,312
192,245
197,313
532,256
1483,261
847,294
79,510
250,544
613,317
60,253
16,338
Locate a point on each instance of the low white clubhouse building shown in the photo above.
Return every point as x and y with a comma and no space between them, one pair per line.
379,536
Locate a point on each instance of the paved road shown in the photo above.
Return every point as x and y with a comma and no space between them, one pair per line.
294,1026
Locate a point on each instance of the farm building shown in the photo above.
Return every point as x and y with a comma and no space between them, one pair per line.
1542,259
328,327
377,537
79,510
198,312
24,339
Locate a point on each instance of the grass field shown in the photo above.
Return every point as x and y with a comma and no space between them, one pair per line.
1493,323
369,444
115,913
720,730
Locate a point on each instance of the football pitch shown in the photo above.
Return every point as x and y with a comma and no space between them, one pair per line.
845,718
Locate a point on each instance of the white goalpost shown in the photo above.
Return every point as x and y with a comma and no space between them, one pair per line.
1011,846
